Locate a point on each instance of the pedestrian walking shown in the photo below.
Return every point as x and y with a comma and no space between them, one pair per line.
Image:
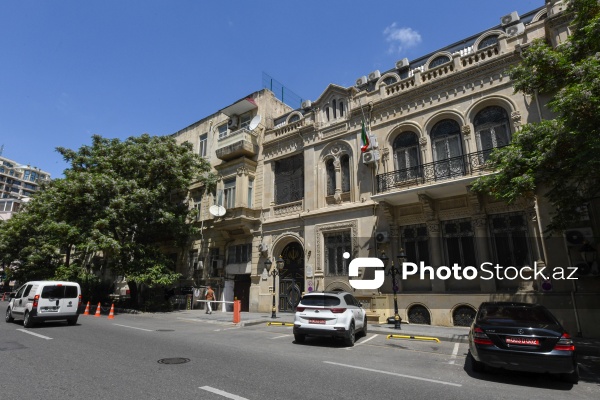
210,296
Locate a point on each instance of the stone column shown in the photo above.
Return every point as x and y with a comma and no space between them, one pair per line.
483,250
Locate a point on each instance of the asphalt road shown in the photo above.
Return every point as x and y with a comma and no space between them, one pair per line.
129,358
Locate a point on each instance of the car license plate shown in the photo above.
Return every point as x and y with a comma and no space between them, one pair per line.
50,309
316,321
523,341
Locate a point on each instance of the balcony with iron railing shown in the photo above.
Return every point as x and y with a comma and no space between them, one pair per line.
437,171
239,143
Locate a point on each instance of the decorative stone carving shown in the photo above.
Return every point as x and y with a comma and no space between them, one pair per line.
423,140
428,207
243,170
466,130
516,118
433,228
479,221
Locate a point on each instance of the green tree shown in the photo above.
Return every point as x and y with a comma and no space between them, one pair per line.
122,200
559,157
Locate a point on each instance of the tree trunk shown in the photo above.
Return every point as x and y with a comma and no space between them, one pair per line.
133,294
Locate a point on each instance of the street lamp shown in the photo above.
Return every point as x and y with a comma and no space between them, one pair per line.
393,271
274,272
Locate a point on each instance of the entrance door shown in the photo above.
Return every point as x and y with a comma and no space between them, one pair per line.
291,280
241,290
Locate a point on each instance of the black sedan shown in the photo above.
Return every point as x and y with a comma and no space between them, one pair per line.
521,337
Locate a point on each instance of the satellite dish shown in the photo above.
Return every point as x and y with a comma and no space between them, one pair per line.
254,123
217,211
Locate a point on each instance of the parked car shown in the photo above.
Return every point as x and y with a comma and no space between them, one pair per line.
45,301
521,337
333,314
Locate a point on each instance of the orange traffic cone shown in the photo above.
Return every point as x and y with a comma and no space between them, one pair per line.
97,311
87,309
111,314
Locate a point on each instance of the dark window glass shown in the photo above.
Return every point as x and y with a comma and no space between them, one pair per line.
330,168
345,161
27,290
335,245
289,179
510,240
488,41
322,301
506,314
439,61
59,292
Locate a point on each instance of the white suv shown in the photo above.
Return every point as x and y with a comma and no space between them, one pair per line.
334,314
43,301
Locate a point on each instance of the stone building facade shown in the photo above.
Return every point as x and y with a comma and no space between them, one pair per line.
297,186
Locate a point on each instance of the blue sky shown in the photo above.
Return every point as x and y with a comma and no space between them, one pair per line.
70,69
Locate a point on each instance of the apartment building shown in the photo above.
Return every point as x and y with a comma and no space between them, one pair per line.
296,186
17,183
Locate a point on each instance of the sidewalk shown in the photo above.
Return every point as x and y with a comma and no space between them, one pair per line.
585,346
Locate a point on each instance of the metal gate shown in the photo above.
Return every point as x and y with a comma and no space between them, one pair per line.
291,281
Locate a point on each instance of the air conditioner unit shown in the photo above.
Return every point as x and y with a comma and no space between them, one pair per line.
509,18
306,104
382,237
233,122
575,239
370,157
402,63
361,81
577,236
374,75
515,29
263,247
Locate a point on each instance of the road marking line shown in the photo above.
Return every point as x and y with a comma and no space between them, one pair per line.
454,353
361,342
222,393
279,337
133,327
394,374
35,334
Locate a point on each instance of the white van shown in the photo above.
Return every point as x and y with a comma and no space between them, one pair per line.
41,301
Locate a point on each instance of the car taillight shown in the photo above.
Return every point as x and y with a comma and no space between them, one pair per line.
337,310
79,304
300,308
480,337
565,343
35,300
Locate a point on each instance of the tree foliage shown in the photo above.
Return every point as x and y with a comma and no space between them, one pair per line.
560,157
120,200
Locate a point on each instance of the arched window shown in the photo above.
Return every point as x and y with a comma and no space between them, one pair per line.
334,106
447,149
330,170
294,118
345,164
389,80
439,61
406,156
341,108
488,41
492,129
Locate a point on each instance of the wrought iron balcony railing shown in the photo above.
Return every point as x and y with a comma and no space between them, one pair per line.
449,168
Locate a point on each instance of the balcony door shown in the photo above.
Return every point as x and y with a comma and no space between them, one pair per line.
447,149
406,157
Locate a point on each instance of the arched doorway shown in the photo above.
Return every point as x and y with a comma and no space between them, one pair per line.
291,279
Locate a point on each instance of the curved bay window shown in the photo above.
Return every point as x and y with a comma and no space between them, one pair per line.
492,129
406,156
447,149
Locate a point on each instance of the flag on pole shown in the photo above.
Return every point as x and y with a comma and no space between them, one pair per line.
365,139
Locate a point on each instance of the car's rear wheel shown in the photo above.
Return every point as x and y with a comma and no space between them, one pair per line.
350,336
72,321
363,331
9,317
27,321
476,366
298,338
573,377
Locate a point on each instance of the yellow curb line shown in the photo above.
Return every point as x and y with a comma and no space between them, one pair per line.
279,324
413,337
